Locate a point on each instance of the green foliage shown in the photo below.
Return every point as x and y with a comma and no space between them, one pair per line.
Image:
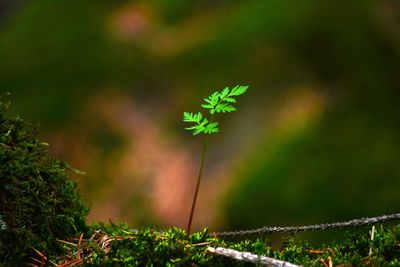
117,245
217,102
202,124
151,247
38,202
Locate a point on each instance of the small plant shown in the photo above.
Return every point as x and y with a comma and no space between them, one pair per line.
217,102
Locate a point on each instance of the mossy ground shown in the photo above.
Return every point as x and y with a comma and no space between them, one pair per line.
116,245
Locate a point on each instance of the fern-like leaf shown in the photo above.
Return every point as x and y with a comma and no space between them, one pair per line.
238,90
224,93
204,122
225,108
229,100
188,117
207,106
211,128
217,102
198,117
194,127
213,99
199,130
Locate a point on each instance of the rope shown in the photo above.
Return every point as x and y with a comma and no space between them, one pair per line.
315,227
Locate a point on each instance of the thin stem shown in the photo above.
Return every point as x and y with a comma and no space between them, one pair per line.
202,163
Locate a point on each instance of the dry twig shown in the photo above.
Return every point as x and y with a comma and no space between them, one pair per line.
249,257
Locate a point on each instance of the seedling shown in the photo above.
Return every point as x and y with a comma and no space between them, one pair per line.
217,102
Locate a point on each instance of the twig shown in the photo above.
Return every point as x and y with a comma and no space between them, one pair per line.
372,239
73,262
79,246
198,244
67,243
249,257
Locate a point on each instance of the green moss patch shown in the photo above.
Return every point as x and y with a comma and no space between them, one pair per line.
117,245
38,201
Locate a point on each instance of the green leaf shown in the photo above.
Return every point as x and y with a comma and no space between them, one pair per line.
224,108
198,117
188,117
195,118
230,100
199,130
207,100
208,106
204,122
192,128
217,102
224,93
238,90
213,99
211,128
196,129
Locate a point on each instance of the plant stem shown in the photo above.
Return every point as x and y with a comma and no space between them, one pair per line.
202,163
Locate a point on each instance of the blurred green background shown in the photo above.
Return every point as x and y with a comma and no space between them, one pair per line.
316,138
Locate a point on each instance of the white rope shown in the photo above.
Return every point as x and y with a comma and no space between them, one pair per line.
249,257
314,227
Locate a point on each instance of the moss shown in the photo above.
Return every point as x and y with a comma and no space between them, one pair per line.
116,245
38,202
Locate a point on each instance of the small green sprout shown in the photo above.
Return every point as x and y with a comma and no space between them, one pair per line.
217,102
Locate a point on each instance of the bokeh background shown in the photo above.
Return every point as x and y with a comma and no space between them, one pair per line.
316,138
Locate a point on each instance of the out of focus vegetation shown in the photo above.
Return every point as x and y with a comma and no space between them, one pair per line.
320,140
